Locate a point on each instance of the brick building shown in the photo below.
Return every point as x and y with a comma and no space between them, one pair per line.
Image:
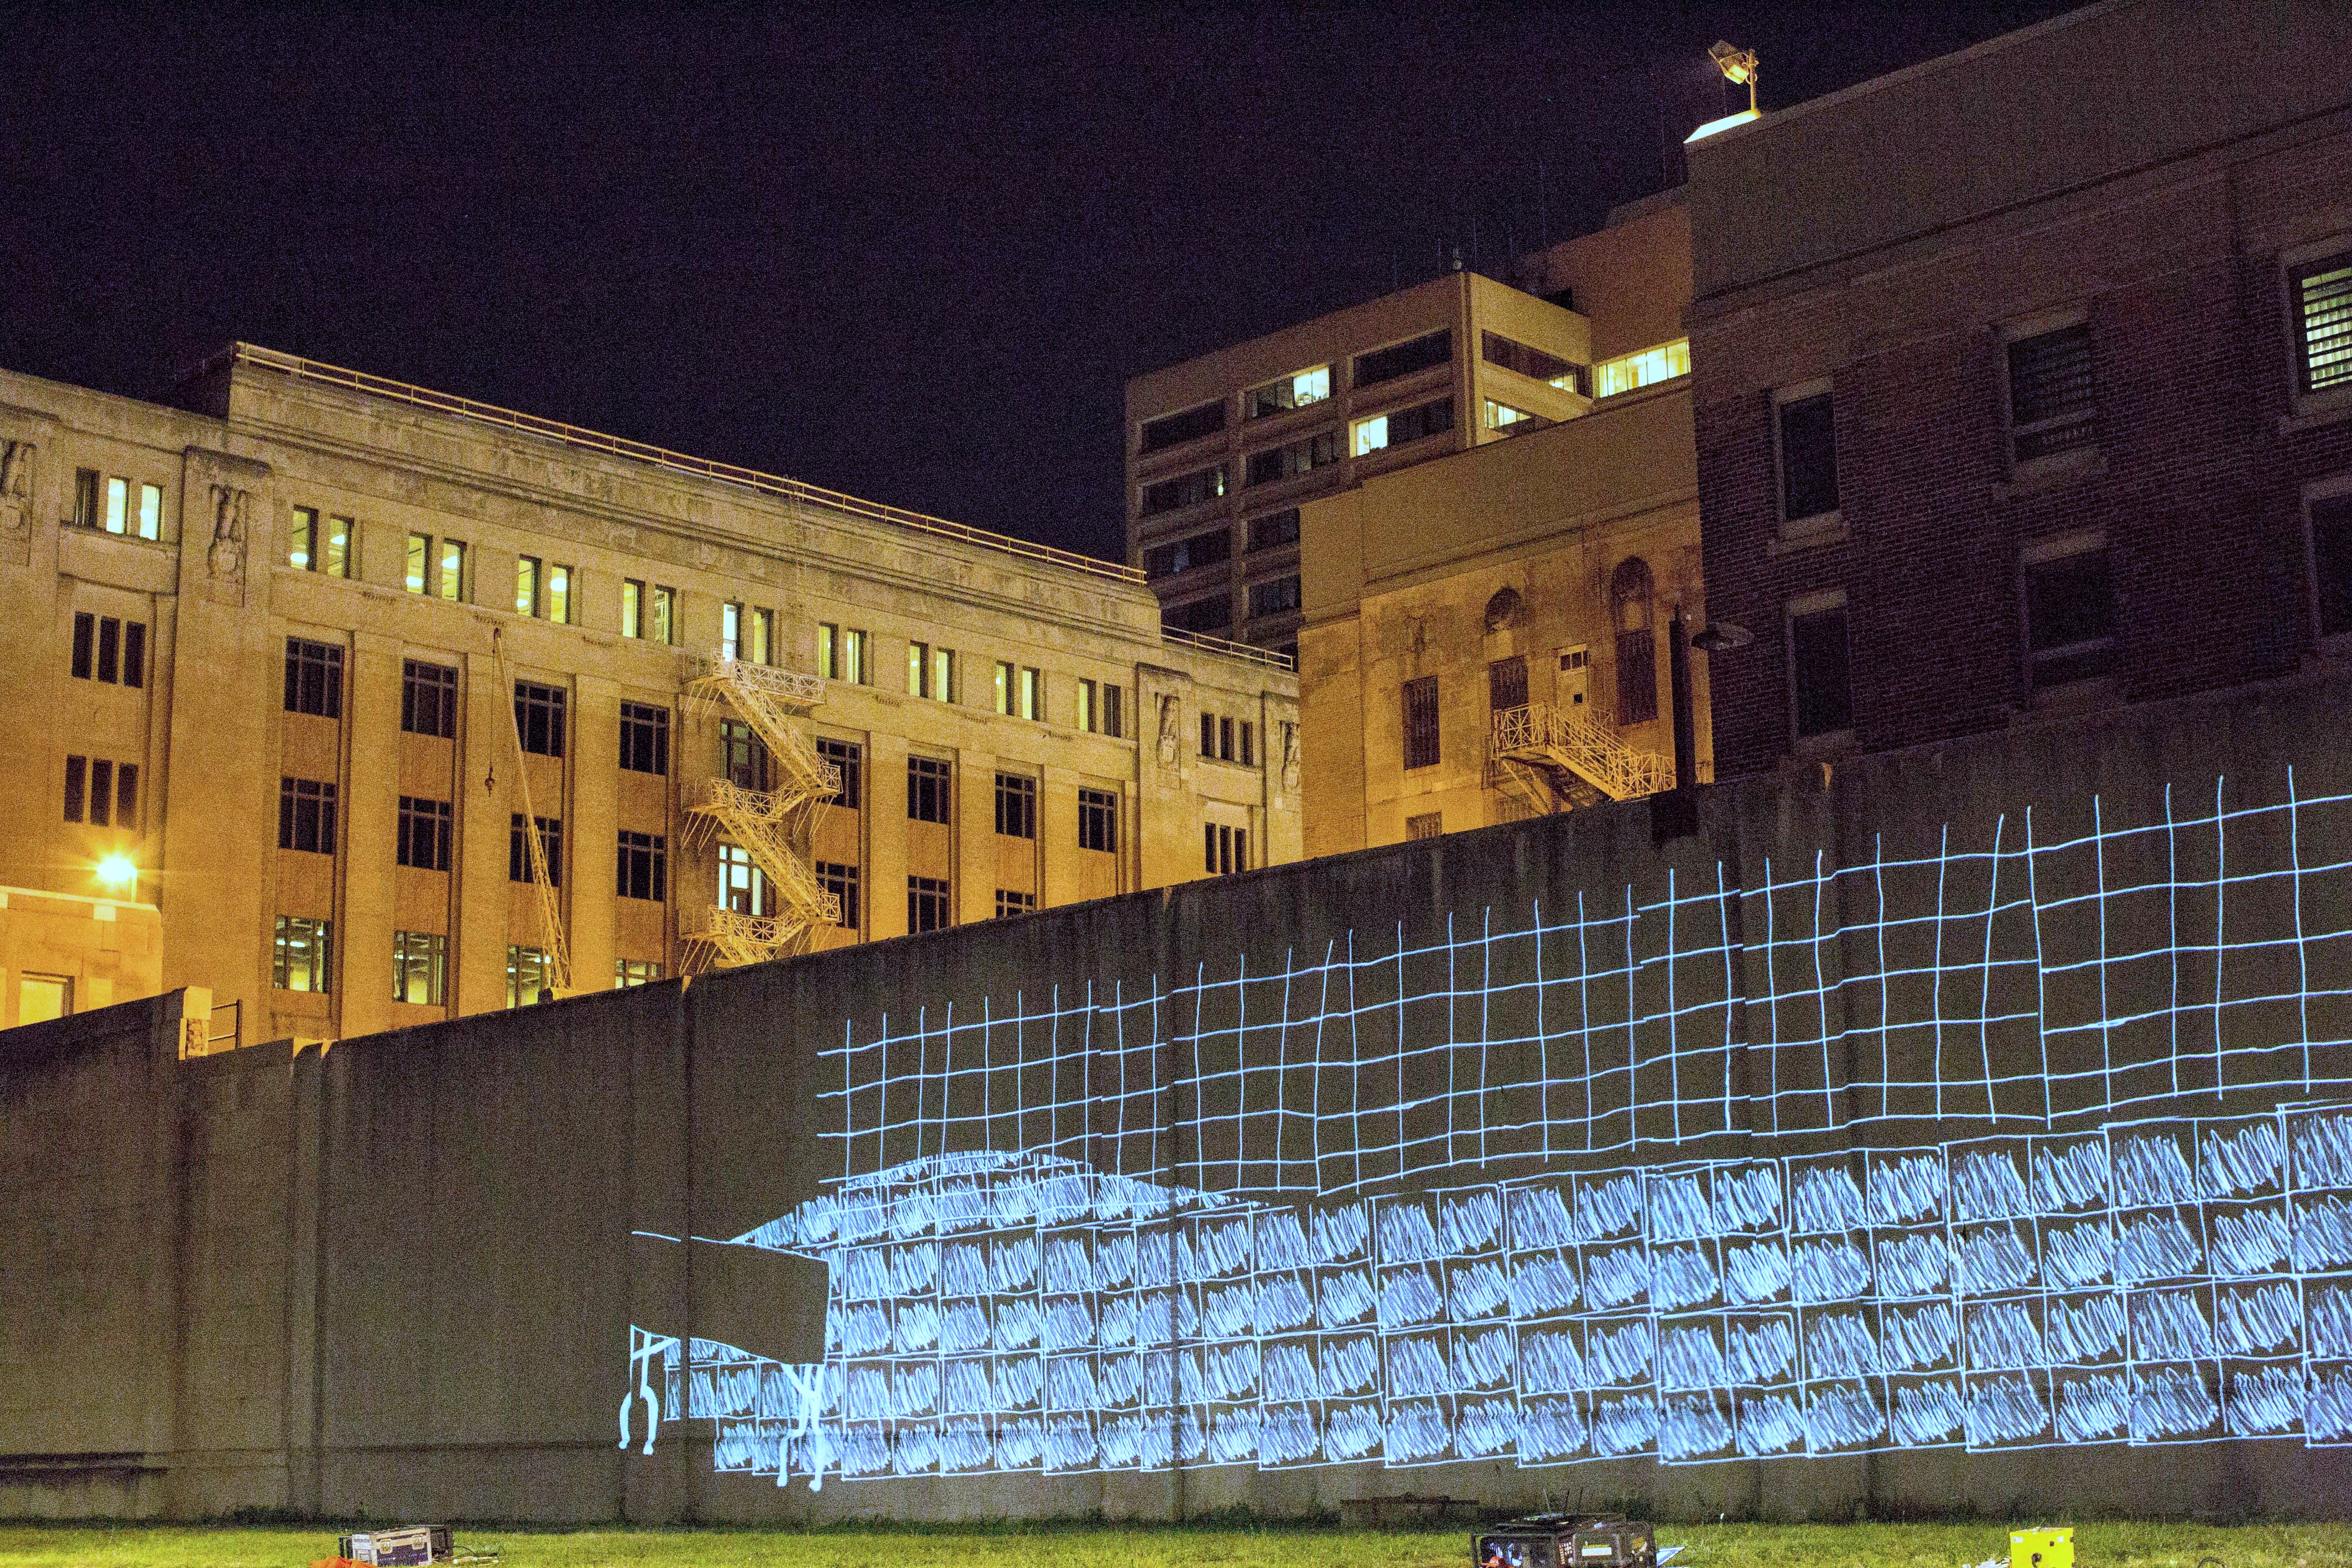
2023,380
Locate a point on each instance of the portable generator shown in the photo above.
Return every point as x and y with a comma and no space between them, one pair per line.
1565,1541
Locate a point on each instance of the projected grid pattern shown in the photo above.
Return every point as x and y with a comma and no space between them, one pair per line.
1112,1231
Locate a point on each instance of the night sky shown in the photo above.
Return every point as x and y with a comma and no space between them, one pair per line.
913,253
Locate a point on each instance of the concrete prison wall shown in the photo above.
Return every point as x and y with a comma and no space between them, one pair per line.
1967,1125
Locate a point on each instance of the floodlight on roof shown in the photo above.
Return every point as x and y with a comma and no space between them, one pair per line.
1737,64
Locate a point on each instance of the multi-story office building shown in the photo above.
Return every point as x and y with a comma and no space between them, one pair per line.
2024,381
294,654
1487,634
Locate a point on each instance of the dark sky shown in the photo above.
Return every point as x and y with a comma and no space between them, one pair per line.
913,253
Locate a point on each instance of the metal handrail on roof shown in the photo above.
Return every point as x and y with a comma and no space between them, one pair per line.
1240,650
660,457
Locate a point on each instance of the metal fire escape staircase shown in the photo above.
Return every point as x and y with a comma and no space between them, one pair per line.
771,825
1549,758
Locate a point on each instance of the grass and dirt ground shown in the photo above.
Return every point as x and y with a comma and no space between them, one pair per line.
2096,1545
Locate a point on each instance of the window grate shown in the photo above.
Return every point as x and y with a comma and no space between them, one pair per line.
1421,723
2052,392
2323,303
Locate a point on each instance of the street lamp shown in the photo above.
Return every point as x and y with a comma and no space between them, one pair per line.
1739,66
1675,815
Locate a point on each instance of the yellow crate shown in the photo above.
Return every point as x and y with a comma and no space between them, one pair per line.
2041,1549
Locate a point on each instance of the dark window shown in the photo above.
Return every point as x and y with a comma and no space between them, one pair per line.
1213,614
1248,744
1016,806
1226,849
84,498
2322,339
429,699
1533,363
841,881
101,790
2331,562
1010,903
1113,720
1274,530
134,653
644,738
1506,684
847,756
2053,399
1293,458
126,795
1185,489
1820,672
539,716
1279,598
927,789
77,781
642,870
110,650
926,904
314,678
1184,555
743,756
2070,619
1421,721
306,816
1175,429
1637,676
551,845
424,833
1098,820
85,636
1429,824
1403,359
1809,485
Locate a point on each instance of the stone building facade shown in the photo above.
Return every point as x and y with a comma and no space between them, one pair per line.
297,648
2024,381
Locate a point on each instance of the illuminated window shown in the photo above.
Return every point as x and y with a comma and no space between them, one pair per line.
2053,396
1016,806
302,540
1003,687
665,615
847,757
1175,429
742,886
150,511
530,973
335,550
452,585
429,699
118,506
942,682
2331,563
1421,733
764,636
642,869
301,955
1010,903
842,882
1404,359
418,562
559,594
1030,698
644,738
1098,820
420,967
526,586
424,841
629,971
731,630
1642,367
743,755
841,653
2322,293
928,907
1430,824
633,607
1274,530
1820,681
1184,555
1805,441
1185,489
1303,390
1301,456
2070,612
551,849
41,997
929,780
1099,708
1533,363
314,678
918,669
1403,426
306,816
1502,417
538,717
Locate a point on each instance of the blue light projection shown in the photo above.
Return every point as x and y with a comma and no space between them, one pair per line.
1397,1209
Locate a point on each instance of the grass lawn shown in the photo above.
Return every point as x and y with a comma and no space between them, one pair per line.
2096,1545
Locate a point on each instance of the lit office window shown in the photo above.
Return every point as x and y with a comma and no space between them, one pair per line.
764,636
665,615
150,511
731,631
633,607
301,539
453,569
1644,367
1303,390
526,584
1403,426
301,955
118,506
529,972
629,971
420,967
559,594
420,556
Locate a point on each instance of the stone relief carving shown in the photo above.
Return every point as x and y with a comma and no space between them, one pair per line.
1290,758
17,488
1167,725
226,556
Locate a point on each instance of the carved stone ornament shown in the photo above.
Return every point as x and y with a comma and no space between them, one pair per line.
226,558
1290,758
1168,724
17,488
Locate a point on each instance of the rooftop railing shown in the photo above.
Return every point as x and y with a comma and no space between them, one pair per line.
1240,650
660,457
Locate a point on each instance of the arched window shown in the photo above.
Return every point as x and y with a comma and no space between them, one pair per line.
1630,595
1503,609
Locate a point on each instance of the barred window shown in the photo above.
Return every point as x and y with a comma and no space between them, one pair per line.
1098,820
314,678
926,904
1506,684
538,717
644,738
551,845
1016,806
2052,395
429,699
642,870
1429,824
927,789
301,956
841,881
847,756
424,833
1421,721
420,967
306,816
2323,337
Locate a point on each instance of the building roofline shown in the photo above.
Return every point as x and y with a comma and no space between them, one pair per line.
252,355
